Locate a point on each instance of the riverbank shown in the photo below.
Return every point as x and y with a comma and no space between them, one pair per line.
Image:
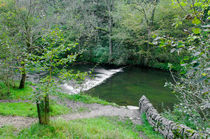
152,65
86,117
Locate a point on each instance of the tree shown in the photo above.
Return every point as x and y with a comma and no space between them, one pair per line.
147,8
110,6
55,55
9,43
31,17
8,64
22,20
191,86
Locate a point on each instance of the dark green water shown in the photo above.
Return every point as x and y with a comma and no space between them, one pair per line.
126,88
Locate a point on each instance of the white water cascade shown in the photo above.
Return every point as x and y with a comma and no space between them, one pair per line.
101,76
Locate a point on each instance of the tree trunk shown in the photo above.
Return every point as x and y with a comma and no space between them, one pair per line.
153,16
110,6
38,110
110,48
43,109
23,77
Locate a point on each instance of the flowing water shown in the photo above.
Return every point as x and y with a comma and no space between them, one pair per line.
125,86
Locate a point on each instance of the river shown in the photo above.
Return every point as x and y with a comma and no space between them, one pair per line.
125,86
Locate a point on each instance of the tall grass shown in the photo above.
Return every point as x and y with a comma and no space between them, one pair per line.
95,128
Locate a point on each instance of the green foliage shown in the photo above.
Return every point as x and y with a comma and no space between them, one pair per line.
128,34
192,85
129,29
164,66
183,115
94,128
8,54
101,54
56,52
167,17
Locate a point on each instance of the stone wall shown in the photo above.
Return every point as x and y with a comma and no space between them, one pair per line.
167,128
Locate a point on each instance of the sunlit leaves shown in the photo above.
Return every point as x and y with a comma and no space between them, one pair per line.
196,30
196,21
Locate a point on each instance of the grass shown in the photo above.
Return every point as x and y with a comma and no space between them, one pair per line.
27,109
16,93
25,94
84,98
94,128
148,130
8,132
18,109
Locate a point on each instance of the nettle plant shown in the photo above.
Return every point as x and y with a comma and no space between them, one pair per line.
52,58
191,84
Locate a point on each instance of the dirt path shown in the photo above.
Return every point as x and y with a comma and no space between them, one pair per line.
94,110
16,121
101,110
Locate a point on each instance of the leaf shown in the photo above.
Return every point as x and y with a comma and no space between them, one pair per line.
183,72
204,74
183,4
180,44
186,58
196,30
154,36
196,21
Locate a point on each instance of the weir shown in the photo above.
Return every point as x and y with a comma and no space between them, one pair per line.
102,75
